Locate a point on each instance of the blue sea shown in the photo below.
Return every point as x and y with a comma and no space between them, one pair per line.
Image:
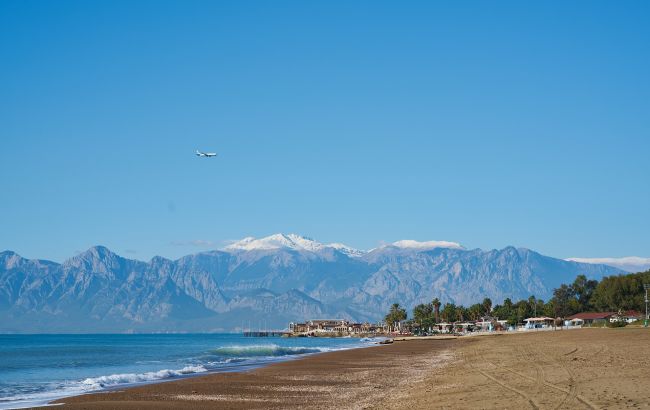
35,369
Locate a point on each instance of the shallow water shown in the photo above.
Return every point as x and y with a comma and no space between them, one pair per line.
35,369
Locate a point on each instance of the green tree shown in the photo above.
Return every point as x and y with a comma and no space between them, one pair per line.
549,309
564,301
505,311
623,292
423,313
583,291
487,306
449,312
507,304
436,309
532,304
475,311
395,315
461,313
522,311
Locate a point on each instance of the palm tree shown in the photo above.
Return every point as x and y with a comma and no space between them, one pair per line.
460,313
436,309
487,305
422,312
532,301
449,312
395,315
475,311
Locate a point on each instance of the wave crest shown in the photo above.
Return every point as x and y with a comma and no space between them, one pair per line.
266,350
95,383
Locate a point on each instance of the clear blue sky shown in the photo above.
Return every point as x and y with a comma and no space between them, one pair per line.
485,123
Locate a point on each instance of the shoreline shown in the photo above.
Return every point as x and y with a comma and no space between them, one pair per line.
255,357
237,368
296,380
251,367
581,368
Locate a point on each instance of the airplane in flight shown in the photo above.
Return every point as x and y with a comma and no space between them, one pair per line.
205,154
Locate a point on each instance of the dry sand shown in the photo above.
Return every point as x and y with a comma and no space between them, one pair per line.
568,369
589,368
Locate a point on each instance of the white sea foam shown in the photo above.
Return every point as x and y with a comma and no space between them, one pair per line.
95,383
220,358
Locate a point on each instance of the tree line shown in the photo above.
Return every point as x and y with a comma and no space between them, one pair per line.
611,294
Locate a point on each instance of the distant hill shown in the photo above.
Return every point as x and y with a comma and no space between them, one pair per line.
264,283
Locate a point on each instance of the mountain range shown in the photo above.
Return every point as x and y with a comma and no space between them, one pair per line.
265,283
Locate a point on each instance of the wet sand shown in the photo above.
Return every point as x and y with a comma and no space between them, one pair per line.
359,378
589,368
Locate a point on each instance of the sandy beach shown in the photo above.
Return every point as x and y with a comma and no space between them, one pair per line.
569,369
588,368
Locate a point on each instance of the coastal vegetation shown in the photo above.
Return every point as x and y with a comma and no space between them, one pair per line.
395,316
611,294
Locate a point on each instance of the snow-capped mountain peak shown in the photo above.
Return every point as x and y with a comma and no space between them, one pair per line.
411,244
301,243
277,241
289,241
346,250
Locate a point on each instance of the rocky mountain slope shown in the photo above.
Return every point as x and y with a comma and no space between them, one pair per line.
264,282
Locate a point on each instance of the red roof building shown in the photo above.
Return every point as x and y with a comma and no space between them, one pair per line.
628,316
592,316
589,318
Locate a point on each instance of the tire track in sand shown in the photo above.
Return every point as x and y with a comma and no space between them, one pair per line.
573,381
523,394
570,392
573,389
577,349
539,370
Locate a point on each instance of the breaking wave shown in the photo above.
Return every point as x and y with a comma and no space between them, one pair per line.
266,350
199,358
92,384
95,383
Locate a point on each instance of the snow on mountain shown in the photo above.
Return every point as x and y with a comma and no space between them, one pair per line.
301,243
628,264
277,241
289,241
355,253
410,244
293,278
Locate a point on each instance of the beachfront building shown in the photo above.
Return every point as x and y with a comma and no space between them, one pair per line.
297,327
362,328
538,323
489,324
320,326
444,327
574,323
464,327
592,318
333,327
626,316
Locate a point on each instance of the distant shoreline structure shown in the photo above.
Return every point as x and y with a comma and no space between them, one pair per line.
486,324
335,328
